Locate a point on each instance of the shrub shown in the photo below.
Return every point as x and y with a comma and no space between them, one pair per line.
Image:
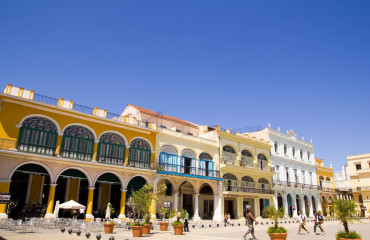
136,224
350,235
176,223
276,230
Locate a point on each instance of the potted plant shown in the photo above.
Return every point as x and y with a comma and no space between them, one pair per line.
275,232
164,225
178,225
109,226
346,212
140,202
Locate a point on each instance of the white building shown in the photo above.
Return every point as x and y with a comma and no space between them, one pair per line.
343,184
295,180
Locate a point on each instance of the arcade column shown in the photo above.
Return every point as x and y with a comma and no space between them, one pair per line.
50,208
89,207
4,188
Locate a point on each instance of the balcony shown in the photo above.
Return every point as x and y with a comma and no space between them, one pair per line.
247,190
297,185
189,171
306,186
228,158
246,161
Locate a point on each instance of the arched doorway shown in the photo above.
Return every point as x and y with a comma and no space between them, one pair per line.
168,199
324,205
107,190
290,205
29,187
306,207
72,184
206,204
186,191
331,206
279,201
262,161
298,205
134,185
313,203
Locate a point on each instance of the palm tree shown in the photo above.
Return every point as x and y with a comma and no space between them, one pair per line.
346,211
274,214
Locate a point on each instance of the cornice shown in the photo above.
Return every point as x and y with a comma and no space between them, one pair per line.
245,140
286,138
75,114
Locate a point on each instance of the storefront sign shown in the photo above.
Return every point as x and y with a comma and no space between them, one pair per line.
4,198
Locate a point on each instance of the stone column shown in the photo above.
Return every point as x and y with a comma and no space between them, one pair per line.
256,207
153,207
217,211
285,205
310,207
175,200
89,207
303,206
294,205
4,187
196,207
240,207
123,204
50,207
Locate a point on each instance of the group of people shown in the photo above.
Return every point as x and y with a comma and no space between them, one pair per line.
318,220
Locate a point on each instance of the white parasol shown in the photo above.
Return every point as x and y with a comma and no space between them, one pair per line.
71,205
56,209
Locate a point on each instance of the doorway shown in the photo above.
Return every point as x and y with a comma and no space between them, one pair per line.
229,208
187,165
187,203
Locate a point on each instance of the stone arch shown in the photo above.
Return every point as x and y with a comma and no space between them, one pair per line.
263,180
262,156
89,180
205,156
229,148
41,116
146,144
192,184
81,125
169,149
137,175
51,175
188,153
111,172
247,153
205,185
174,187
115,132
229,176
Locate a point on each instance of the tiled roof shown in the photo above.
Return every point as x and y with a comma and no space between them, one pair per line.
163,116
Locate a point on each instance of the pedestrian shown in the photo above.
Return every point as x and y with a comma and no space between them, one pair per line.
302,223
186,225
228,219
249,222
225,219
318,221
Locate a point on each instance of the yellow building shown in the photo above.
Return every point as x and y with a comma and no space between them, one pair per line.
52,149
325,178
359,172
247,174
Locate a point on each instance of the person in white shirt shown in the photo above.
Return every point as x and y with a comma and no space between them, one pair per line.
302,223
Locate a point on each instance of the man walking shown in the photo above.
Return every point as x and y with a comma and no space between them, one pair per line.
186,225
302,223
249,223
318,221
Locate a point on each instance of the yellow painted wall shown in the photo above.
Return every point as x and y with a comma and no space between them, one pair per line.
104,196
36,187
4,187
73,189
16,112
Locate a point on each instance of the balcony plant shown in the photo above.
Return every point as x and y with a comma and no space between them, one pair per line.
346,211
178,225
275,232
163,224
140,202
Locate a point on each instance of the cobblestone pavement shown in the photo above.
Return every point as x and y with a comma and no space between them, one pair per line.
227,233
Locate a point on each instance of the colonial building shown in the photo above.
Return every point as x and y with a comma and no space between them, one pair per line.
247,173
187,161
295,180
343,184
359,172
52,149
325,177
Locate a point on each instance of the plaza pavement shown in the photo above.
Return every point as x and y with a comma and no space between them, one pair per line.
224,233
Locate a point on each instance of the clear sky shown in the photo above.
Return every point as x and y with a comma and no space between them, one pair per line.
301,65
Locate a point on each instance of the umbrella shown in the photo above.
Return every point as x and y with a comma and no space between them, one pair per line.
56,210
107,213
71,205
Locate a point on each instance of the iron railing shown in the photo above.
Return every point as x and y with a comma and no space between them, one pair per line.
68,153
138,164
110,160
196,171
247,190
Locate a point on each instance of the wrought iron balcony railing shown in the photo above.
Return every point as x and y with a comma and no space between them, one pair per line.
247,190
307,186
110,160
196,171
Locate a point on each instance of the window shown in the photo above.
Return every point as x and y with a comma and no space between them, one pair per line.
276,147
287,174
358,166
311,178
303,177
277,172
111,149
285,149
293,150
296,175
308,156
140,153
301,153
78,143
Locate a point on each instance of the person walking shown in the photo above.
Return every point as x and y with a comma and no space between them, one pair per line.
302,223
249,222
186,224
318,221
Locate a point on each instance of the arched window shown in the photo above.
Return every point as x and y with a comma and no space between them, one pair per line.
38,135
228,155
188,162
168,159
140,152
78,143
247,158
247,184
262,161
206,167
263,185
328,183
321,182
111,149
230,182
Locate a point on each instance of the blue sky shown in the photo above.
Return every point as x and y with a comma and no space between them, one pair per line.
303,65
